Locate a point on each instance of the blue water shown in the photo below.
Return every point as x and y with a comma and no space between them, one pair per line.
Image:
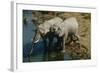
39,48
28,28
28,34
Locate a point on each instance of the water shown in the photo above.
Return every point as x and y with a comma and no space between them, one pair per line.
28,28
39,54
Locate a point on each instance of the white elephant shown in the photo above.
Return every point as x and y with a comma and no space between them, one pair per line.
69,25
44,28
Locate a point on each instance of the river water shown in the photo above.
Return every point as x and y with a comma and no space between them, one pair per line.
38,54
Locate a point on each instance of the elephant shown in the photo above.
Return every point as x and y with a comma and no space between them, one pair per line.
45,31
67,29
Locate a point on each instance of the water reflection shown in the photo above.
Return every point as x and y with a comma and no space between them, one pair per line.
39,54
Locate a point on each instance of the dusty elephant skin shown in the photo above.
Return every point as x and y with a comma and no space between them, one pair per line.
64,35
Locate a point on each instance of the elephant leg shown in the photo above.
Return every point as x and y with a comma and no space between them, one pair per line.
50,44
69,39
65,36
76,40
59,43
